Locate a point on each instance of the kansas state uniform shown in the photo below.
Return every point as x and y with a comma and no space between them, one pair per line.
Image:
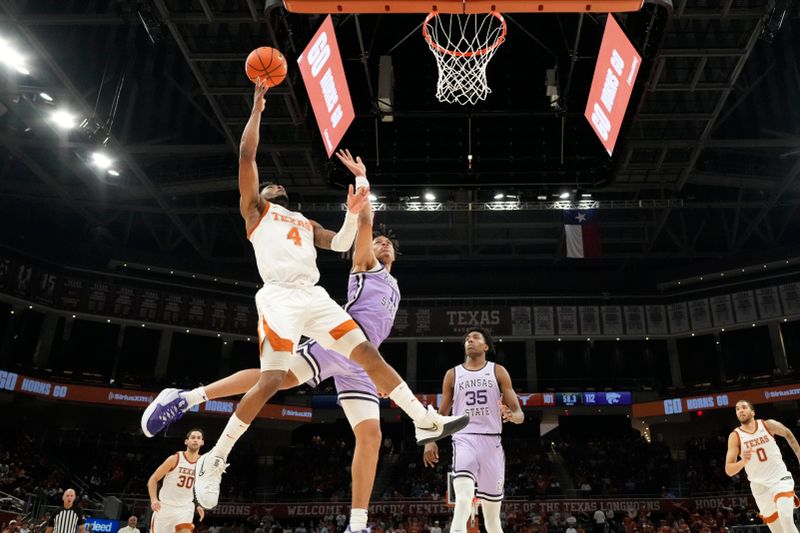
769,478
477,449
177,498
373,297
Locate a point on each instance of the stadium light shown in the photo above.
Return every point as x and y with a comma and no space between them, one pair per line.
373,198
113,172
101,161
430,197
12,58
564,195
499,196
63,119
46,97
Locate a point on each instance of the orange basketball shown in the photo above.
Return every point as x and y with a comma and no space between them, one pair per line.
267,63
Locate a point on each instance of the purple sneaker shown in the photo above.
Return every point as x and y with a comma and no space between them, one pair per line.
168,407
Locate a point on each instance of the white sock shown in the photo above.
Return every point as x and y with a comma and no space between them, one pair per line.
358,519
405,400
233,430
195,396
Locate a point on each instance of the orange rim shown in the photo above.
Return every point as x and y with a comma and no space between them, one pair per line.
456,53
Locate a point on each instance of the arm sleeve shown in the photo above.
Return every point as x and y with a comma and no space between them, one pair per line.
343,240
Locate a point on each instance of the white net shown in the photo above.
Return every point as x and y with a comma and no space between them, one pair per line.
463,45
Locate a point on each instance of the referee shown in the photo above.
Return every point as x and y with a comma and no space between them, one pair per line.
68,519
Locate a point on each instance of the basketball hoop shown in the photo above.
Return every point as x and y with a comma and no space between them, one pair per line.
463,45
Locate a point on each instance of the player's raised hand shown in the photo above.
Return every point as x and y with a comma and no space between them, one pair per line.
505,413
431,455
356,166
747,455
356,201
258,97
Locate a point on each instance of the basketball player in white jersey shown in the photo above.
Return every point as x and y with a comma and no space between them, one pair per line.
291,305
770,480
373,299
482,390
173,507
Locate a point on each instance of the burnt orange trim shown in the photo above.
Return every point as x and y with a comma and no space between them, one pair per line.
343,329
260,218
769,519
277,343
749,432
177,461
184,527
787,494
764,423
187,459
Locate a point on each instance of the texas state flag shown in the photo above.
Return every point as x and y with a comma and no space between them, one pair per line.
583,239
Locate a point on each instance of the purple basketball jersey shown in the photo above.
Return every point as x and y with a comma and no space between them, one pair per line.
476,393
372,300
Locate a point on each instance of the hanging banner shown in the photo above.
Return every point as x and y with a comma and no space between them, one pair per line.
612,319
699,314
590,320
790,296
678,318
656,319
324,78
521,321
721,310
634,320
567,320
769,304
744,305
543,321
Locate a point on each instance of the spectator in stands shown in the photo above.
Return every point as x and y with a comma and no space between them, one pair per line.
131,527
599,519
435,528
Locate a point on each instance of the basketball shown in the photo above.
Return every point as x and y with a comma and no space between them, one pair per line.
268,63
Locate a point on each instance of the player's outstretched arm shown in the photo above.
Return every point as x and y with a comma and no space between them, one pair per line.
158,475
363,255
732,463
777,428
510,409
249,199
343,239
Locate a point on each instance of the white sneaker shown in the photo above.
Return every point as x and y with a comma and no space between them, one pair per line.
208,476
440,426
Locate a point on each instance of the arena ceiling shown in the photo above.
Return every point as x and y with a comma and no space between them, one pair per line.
706,169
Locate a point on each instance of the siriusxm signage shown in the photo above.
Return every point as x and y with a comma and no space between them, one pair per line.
100,525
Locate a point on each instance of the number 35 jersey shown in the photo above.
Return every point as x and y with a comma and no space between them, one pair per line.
283,242
476,393
177,486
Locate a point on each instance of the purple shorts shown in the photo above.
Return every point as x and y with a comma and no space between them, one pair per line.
352,382
481,458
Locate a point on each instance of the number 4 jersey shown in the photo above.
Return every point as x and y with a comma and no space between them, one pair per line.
283,242
176,489
476,393
766,466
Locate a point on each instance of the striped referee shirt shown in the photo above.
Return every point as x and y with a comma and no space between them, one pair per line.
66,520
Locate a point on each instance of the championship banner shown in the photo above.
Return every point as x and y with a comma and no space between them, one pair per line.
744,306
790,296
721,310
68,392
312,510
634,320
675,406
611,316
769,305
678,317
699,314
521,321
543,321
567,320
656,319
590,320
